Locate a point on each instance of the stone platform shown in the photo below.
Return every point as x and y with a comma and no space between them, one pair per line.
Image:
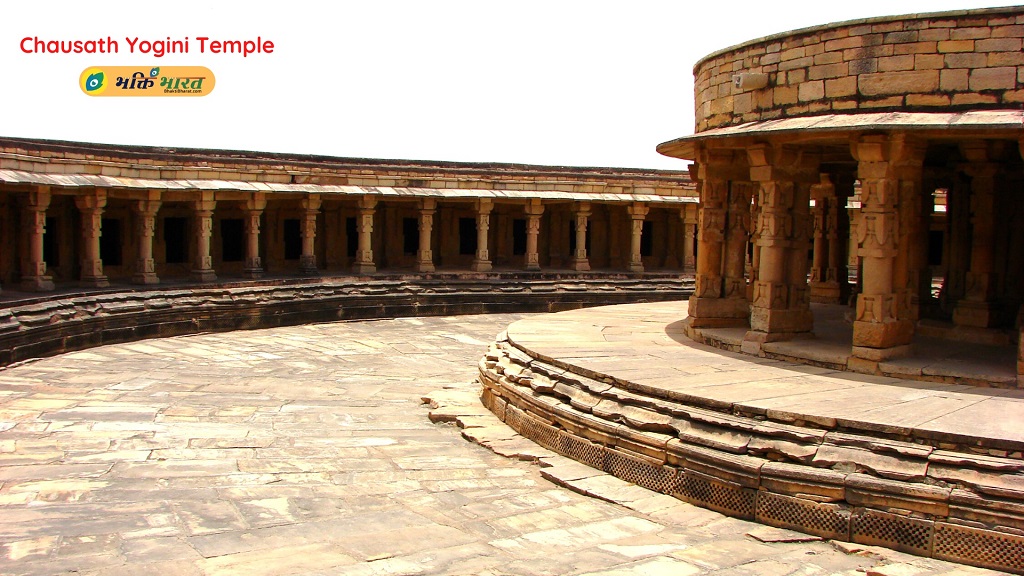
932,468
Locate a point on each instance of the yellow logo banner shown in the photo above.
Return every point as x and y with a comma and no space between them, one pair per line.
143,81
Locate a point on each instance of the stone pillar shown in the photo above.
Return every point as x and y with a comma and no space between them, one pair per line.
482,262
145,216
580,259
91,206
202,266
714,172
637,212
425,256
253,209
534,210
688,214
883,327
824,273
310,208
737,236
364,263
33,267
781,296
978,306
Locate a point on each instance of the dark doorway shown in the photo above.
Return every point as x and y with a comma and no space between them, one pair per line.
292,239
232,240
518,237
351,237
51,251
176,240
467,236
110,241
410,235
647,239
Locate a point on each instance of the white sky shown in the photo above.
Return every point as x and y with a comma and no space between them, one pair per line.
544,82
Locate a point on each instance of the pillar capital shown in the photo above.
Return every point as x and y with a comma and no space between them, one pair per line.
638,210
535,207
581,208
428,204
367,202
311,202
770,162
97,200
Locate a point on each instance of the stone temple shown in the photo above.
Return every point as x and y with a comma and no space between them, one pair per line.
848,363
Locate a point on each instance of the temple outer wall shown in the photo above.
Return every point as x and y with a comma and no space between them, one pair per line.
954,60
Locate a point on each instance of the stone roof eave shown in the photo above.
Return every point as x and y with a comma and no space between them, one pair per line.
984,122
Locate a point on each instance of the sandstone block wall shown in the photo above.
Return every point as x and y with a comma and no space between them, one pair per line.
967,59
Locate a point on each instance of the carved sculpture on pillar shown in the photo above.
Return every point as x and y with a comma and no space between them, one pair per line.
482,261
33,266
534,210
91,206
883,327
310,208
253,209
781,297
202,267
580,259
637,213
364,263
145,215
425,256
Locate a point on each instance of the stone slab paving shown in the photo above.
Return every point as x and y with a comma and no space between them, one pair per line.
307,450
645,344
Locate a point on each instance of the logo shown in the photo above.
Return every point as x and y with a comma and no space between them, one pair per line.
93,81
141,81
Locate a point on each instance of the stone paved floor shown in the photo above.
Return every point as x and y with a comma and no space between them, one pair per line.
307,450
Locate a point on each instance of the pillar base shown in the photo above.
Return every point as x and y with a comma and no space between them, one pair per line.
307,266
754,339
145,278
976,314
425,267
37,284
581,265
718,312
95,281
203,276
826,292
364,267
880,354
253,273
532,267
882,335
481,266
783,323
633,267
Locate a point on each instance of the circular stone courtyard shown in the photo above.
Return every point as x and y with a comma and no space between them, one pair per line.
308,450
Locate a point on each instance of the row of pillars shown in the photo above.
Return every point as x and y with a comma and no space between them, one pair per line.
762,195
91,206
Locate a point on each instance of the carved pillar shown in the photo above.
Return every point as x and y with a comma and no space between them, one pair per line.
781,295
33,267
824,279
688,214
202,266
425,256
883,327
637,212
253,209
310,208
482,262
145,216
91,206
364,254
534,210
978,306
580,259
715,171
737,235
